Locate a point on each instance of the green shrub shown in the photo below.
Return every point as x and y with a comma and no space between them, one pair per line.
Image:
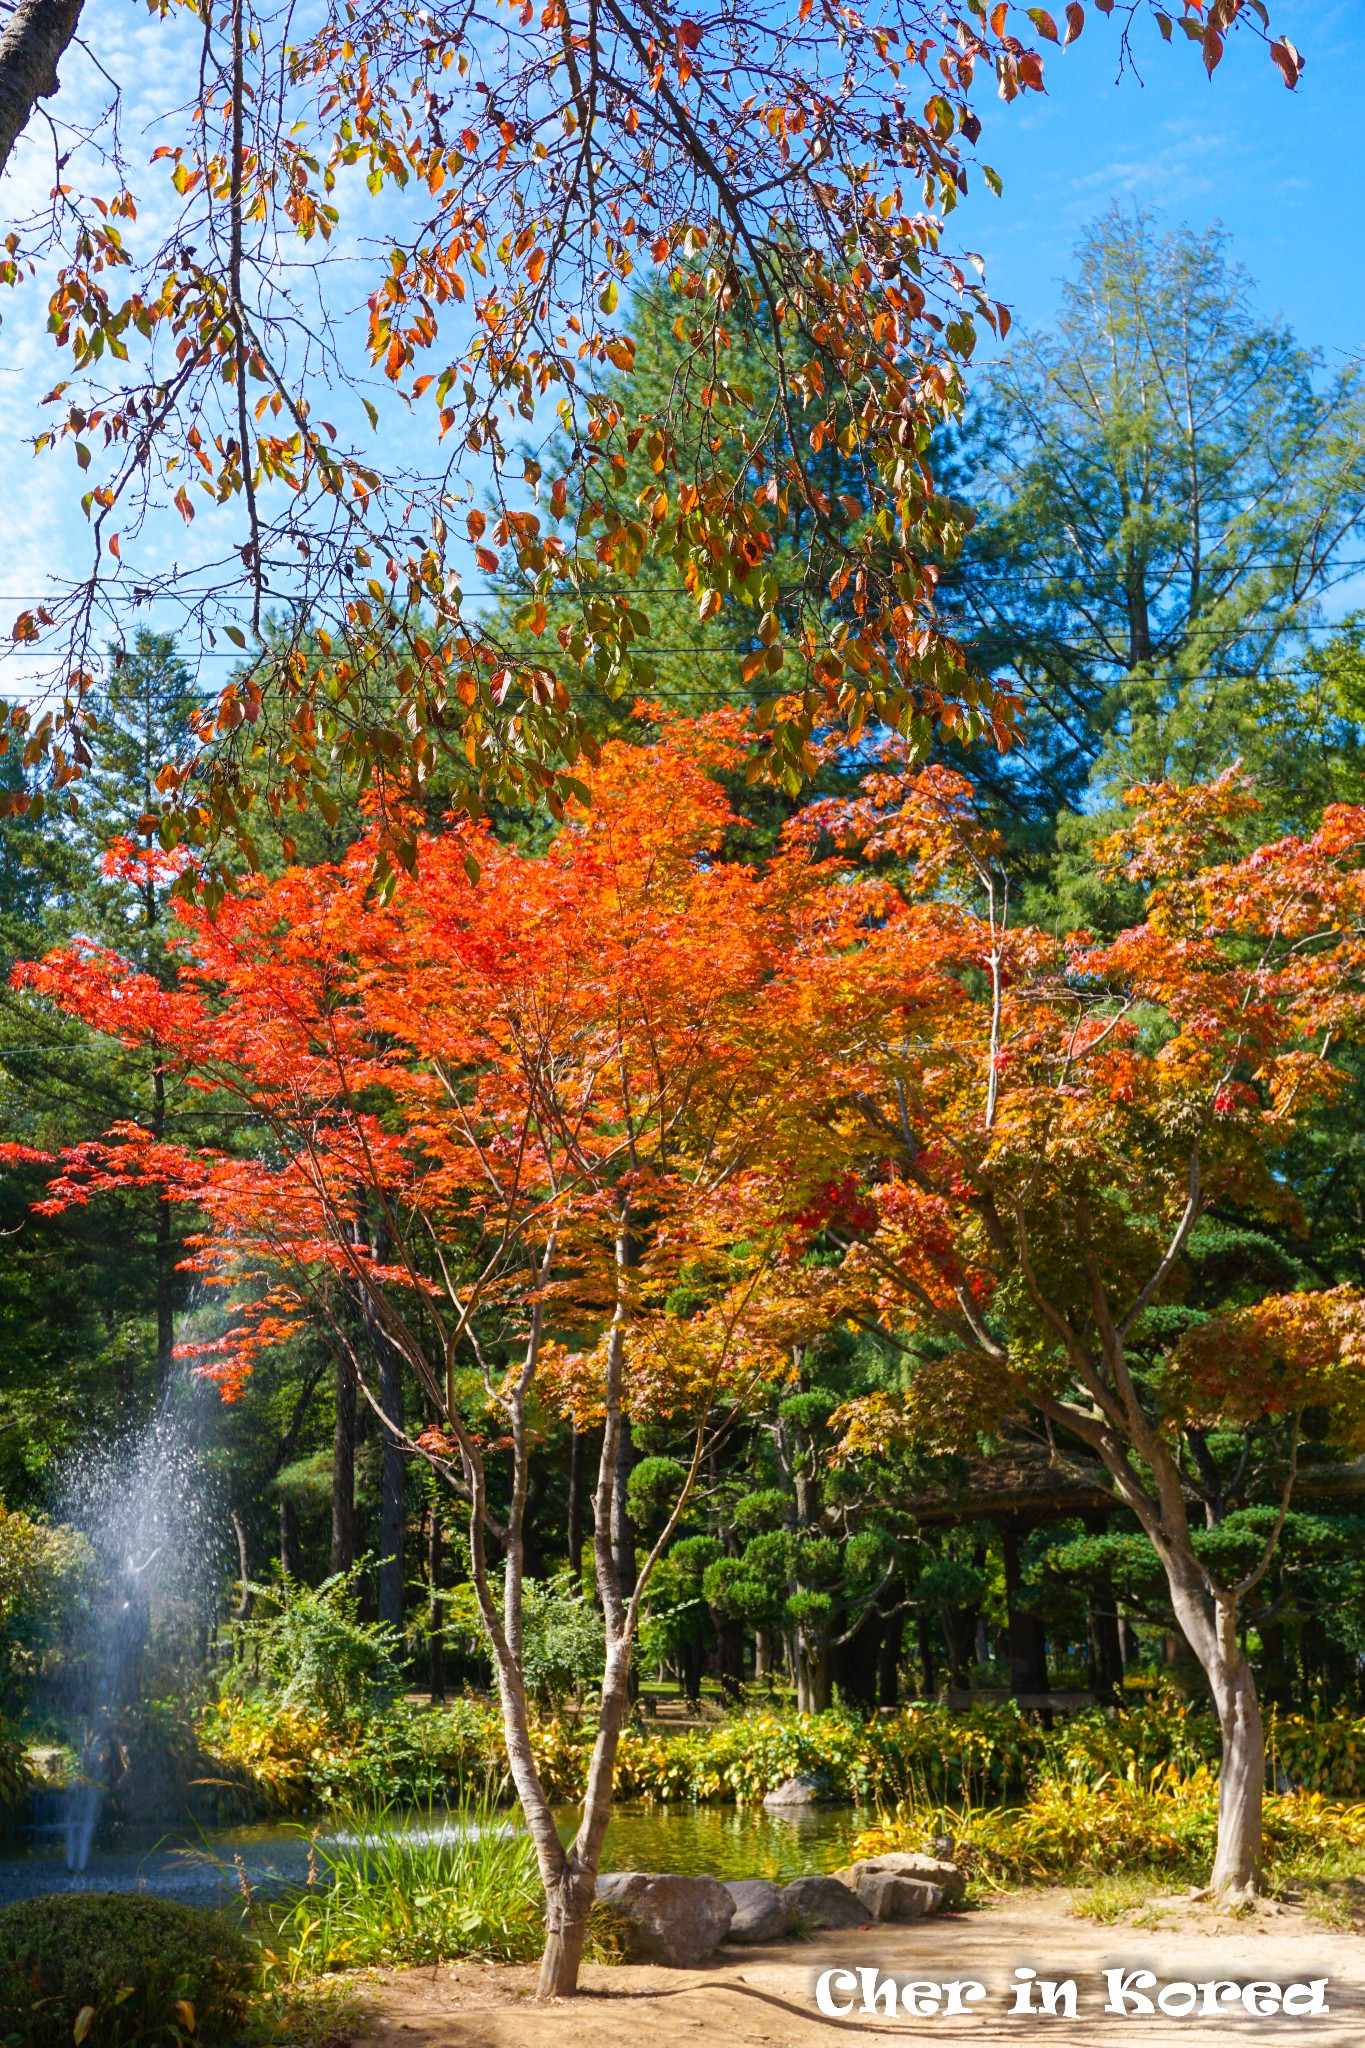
47,1575
108,1968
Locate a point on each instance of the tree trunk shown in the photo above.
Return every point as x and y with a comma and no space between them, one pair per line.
436,1635
928,1675
1028,1646
690,1657
889,1655
575,1529
622,1530
763,1654
812,1673
392,1479
289,1539
1105,1654
1210,1629
343,1470
1208,1620
36,38
1241,1781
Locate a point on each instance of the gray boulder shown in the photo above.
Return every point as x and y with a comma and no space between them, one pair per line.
676,1921
889,1897
824,1902
803,1790
933,1870
762,1910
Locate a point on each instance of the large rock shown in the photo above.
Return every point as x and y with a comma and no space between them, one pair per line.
677,1921
889,1897
933,1870
762,1910
804,1790
824,1902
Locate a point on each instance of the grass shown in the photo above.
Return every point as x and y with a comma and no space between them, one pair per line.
385,1889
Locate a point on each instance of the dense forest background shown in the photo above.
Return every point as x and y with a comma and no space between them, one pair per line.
1167,492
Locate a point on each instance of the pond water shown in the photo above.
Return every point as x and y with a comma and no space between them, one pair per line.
204,1868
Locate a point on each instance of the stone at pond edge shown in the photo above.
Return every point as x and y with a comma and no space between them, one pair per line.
762,1910
676,1921
806,1789
824,1902
889,1897
932,1870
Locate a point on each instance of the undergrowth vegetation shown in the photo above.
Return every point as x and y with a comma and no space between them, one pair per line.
1163,1822
282,1760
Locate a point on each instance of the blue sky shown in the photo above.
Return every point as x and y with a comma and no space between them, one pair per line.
1284,172
1280,170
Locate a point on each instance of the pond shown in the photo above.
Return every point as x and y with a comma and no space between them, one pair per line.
208,1867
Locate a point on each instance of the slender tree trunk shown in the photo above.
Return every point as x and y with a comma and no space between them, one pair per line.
763,1654
36,38
392,1482
163,1252
436,1638
343,1470
575,1528
242,1610
622,1529
1208,1620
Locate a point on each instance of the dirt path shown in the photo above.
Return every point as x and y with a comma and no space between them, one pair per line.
765,1998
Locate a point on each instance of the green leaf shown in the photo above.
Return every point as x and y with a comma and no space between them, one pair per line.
610,296
235,635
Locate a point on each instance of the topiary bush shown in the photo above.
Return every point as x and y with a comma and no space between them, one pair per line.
109,1968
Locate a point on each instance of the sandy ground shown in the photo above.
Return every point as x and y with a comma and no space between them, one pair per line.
765,1998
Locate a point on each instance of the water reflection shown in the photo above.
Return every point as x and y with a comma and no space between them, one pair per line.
210,1868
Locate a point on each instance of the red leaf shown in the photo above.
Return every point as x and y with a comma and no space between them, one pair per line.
1213,50
1075,22
1288,60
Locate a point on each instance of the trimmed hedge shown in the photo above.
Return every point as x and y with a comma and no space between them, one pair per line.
108,1968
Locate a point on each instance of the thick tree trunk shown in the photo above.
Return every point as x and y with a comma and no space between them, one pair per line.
928,1675
1028,1645
812,1673
1241,1781
1102,1644
690,1654
343,1470
889,1654
289,1539
36,38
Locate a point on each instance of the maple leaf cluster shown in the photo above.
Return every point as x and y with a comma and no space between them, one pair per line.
635,1082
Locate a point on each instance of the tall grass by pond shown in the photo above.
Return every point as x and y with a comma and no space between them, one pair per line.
392,1887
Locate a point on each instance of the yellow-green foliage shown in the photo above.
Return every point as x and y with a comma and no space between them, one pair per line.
1162,1821
921,1757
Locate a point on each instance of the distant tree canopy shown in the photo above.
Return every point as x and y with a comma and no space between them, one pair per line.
1166,485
